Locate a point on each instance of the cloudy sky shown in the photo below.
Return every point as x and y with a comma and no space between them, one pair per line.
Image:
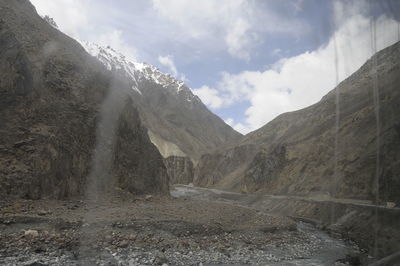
248,60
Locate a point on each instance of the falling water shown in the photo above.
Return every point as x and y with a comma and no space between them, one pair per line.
398,31
375,88
100,179
337,124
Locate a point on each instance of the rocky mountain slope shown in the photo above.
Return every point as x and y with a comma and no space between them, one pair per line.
178,123
295,153
68,126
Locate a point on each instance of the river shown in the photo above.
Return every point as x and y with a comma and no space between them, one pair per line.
328,251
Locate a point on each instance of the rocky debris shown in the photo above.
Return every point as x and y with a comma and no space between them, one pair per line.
148,197
180,169
43,212
160,258
162,231
229,249
31,233
122,244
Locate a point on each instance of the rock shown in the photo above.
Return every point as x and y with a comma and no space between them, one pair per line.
160,259
40,249
180,169
35,263
31,233
123,244
390,204
148,197
42,212
132,237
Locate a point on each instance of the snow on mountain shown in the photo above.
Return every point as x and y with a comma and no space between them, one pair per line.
177,122
115,61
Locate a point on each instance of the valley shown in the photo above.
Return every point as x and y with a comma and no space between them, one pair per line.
193,227
109,161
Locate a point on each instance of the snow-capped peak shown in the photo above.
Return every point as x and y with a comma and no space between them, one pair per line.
115,61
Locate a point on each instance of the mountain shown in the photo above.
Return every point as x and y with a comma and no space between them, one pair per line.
68,126
295,153
178,123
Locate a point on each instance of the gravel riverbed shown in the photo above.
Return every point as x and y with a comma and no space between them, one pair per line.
150,230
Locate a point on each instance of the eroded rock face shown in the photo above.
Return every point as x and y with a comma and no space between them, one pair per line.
307,166
216,168
180,170
179,123
64,119
264,168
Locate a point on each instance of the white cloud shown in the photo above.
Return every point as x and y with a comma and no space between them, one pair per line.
239,23
239,127
209,96
296,82
70,15
79,20
238,40
114,39
298,5
168,62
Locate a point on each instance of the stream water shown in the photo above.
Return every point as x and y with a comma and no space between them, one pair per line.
329,249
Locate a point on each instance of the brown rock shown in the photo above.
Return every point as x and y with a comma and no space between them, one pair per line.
123,244
31,233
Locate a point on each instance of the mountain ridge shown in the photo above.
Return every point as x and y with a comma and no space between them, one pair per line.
156,89
294,153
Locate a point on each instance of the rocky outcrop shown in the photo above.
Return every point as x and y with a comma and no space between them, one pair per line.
264,168
67,125
180,170
216,168
296,152
179,123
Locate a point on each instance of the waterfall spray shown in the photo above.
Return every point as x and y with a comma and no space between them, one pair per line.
375,89
100,179
333,191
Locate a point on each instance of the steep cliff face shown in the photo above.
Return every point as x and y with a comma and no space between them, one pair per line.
66,123
180,170
179,123
219,169
295,153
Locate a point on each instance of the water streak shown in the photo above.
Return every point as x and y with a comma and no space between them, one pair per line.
337,125
375,89
100,180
